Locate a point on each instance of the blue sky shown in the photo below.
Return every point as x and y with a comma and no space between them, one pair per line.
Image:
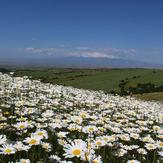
128,29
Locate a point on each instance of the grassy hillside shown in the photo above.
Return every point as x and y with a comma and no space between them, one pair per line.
95,79
156,96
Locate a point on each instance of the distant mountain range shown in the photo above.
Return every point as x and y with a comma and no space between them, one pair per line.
77,62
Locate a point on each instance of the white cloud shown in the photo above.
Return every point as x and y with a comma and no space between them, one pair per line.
98,55
83,48
92,54
111,53
44,51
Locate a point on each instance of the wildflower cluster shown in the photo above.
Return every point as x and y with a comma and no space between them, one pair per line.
43,123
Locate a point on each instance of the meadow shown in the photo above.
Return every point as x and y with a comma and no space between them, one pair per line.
106,80
46,123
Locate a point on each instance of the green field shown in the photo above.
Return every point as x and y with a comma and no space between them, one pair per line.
95,79
98,79
155,96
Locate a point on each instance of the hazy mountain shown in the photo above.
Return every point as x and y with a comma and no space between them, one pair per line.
77,62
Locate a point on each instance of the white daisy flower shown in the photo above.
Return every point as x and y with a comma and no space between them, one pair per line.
33,140
7,149
74,149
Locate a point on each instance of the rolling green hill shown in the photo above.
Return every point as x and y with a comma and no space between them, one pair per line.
95,79
156,96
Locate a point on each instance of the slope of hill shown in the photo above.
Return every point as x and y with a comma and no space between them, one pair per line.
95,79
40,120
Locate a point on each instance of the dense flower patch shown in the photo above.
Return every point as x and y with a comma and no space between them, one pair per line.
49,123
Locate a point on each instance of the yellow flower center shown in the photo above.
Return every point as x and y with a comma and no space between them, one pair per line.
33,141
90,129
132,161
94,161
76,152
6,113
161,144
83,116
106,139
21,118
40,133
21,126
24,161
98,143
8,150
